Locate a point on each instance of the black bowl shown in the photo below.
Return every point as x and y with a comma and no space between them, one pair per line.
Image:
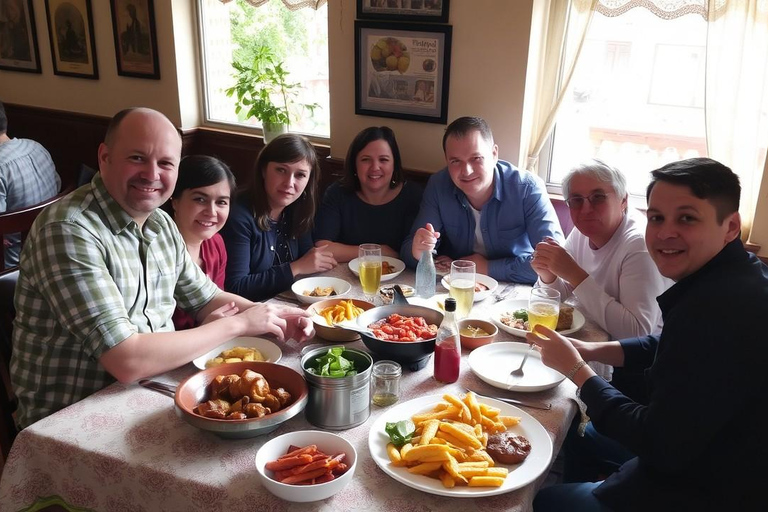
412,354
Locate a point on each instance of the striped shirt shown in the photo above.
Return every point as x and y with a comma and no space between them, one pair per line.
27,177
89,279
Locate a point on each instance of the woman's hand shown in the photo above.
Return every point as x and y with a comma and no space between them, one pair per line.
425,239
550,260
317,259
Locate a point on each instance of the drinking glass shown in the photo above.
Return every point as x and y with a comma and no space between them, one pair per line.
369,256
543,308
462,286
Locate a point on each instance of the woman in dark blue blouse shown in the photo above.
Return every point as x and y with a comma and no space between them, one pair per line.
372,203
268,234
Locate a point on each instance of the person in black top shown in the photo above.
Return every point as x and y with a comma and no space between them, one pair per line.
699,439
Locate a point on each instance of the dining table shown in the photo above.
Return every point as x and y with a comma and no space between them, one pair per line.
124,448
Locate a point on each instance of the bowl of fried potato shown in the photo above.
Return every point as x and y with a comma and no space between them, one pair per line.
236,350
333,457
276,379
315,289
337,311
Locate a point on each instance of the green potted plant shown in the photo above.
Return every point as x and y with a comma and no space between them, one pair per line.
262,91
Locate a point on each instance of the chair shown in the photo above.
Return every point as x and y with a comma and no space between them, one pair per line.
20,221
8,400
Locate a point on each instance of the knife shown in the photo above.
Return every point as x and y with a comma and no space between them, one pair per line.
514,401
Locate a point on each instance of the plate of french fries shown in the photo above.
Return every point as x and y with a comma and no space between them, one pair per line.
244,348
447,454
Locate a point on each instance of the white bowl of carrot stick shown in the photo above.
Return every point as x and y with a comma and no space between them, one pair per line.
308,465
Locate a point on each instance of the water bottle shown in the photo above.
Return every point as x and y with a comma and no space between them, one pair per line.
425,275
448,346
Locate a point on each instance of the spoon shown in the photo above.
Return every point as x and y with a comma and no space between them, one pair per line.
353,327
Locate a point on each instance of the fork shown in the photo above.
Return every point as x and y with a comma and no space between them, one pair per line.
503,294
516,375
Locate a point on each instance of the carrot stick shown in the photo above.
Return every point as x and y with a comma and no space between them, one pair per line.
311,449
295,479
288,462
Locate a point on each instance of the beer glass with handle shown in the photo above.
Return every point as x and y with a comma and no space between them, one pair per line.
369,256
543,308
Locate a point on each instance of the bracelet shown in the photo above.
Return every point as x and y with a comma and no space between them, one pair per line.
578,366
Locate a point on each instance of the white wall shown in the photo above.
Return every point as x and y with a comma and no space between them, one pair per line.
490,51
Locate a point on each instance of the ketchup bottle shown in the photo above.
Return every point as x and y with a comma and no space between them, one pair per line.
448,346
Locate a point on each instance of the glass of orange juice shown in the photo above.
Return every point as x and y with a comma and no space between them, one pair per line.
543,308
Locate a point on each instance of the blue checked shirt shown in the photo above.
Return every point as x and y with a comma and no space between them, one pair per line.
89,279
27,177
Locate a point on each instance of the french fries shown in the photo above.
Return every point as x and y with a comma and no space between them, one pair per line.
451,443
344,310
235,355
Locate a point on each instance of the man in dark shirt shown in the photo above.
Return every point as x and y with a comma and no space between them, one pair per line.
699,441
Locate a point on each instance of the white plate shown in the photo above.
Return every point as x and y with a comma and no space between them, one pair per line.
493,362
269,350
340,286
488,281
437,302
508,306
399,266
519,476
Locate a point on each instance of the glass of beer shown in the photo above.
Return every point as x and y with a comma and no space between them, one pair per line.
543,308
462,286
369,256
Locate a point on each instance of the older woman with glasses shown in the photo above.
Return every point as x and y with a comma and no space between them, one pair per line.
604,263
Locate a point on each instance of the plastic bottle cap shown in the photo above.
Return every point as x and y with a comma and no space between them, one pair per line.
450,304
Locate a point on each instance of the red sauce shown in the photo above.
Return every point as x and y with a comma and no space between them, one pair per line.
447,361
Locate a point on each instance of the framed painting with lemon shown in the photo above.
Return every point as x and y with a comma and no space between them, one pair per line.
402,71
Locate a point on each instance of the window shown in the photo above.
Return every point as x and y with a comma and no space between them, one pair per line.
299,38
636,98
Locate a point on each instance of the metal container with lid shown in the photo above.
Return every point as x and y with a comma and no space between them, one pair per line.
338,403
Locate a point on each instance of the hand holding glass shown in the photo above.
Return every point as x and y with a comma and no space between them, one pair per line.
543,308
369,256
462,286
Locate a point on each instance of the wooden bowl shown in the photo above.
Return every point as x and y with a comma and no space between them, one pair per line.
331,333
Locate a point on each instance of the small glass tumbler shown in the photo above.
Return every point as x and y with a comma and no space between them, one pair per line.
385,382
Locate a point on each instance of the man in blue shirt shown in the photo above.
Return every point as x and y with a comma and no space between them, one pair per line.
482,209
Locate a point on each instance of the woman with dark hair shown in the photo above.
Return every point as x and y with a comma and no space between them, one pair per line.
200,206
372,203
269,234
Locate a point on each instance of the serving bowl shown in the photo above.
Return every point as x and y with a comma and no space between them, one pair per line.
340,287
326,442
268,350
196,389
472,342
412,354
331,333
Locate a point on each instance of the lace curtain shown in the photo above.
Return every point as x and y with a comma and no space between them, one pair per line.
292,5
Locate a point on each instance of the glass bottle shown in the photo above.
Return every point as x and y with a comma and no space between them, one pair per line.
425,275
385,382
448,346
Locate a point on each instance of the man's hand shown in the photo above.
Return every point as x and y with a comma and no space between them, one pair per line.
481,263
284,322
550,260
559,353
228,309
425,239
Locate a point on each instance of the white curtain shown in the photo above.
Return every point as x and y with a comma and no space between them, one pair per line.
290,4
563,27
736,102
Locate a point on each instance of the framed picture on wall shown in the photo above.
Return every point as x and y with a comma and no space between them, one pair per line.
18,37
133,24
402,70
73,49
403,10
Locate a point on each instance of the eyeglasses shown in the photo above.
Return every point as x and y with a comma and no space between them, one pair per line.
577,202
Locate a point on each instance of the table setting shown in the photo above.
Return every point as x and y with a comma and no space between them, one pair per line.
130,447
